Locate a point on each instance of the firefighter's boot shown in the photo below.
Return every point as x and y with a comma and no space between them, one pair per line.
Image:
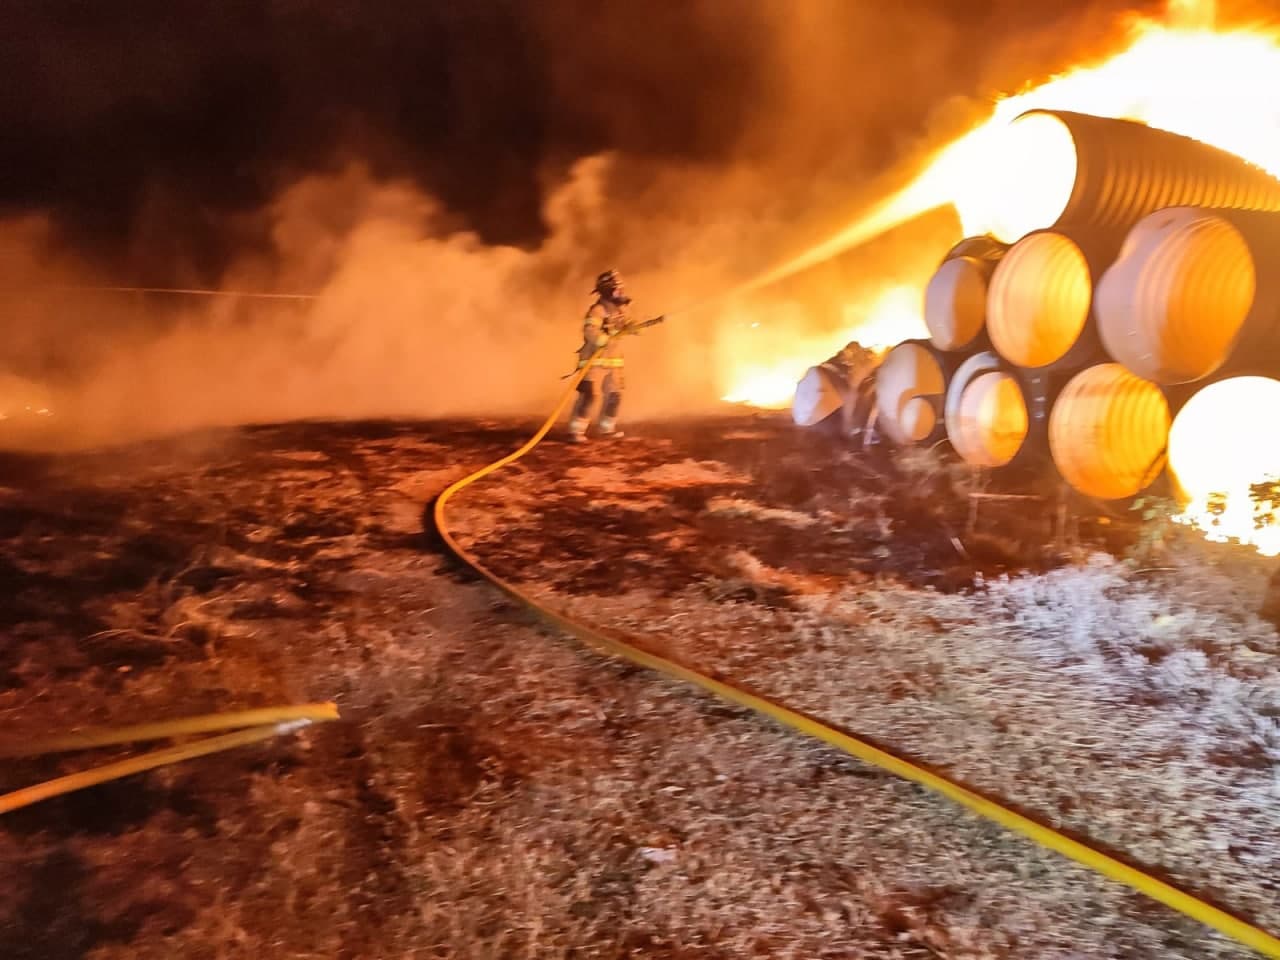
578,430
609,427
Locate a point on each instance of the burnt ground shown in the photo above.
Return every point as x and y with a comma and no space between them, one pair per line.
493,790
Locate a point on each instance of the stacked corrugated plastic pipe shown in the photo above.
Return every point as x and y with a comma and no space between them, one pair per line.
1129,274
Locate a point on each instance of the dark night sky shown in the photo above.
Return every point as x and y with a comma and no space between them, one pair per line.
142,126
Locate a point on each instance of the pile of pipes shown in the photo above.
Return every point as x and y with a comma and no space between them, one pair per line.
838,394
1129,270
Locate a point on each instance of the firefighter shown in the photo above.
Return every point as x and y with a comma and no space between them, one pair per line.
605,322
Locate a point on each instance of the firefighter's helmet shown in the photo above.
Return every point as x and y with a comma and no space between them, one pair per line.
609,285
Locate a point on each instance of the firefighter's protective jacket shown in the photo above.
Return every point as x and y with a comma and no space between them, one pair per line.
605,319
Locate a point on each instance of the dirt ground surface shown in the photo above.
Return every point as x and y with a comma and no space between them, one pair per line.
496,790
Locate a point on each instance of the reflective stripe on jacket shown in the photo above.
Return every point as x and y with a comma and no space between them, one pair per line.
614,362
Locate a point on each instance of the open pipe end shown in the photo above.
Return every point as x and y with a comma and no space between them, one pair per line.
910,384
1221,440
1026,182
1039,300
1170,309
990,423
1108,432
917,420
955,303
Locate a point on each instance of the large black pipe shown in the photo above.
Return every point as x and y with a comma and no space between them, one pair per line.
997,415
1096,177
911,387
1195,293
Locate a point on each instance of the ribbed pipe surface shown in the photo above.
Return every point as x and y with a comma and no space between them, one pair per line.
1039,302
911,383
1193,292
986,412
1108,431
955,301
1059,169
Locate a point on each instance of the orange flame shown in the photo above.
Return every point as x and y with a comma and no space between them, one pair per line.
769,382
1178,74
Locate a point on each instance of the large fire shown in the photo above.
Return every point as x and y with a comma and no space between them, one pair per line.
1178,74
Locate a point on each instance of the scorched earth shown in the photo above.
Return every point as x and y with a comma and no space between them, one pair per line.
496,790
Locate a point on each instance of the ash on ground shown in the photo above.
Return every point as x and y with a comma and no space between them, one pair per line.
495,790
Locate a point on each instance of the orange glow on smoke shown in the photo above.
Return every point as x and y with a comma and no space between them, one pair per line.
1179,74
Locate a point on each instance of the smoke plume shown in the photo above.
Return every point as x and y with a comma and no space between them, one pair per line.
443,181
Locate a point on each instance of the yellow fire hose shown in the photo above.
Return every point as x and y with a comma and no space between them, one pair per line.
262,725
208,723
993,809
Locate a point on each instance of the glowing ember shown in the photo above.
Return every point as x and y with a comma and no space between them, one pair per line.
770,384
1221,443
22,399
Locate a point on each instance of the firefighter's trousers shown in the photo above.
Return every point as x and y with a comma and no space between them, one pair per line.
607,381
